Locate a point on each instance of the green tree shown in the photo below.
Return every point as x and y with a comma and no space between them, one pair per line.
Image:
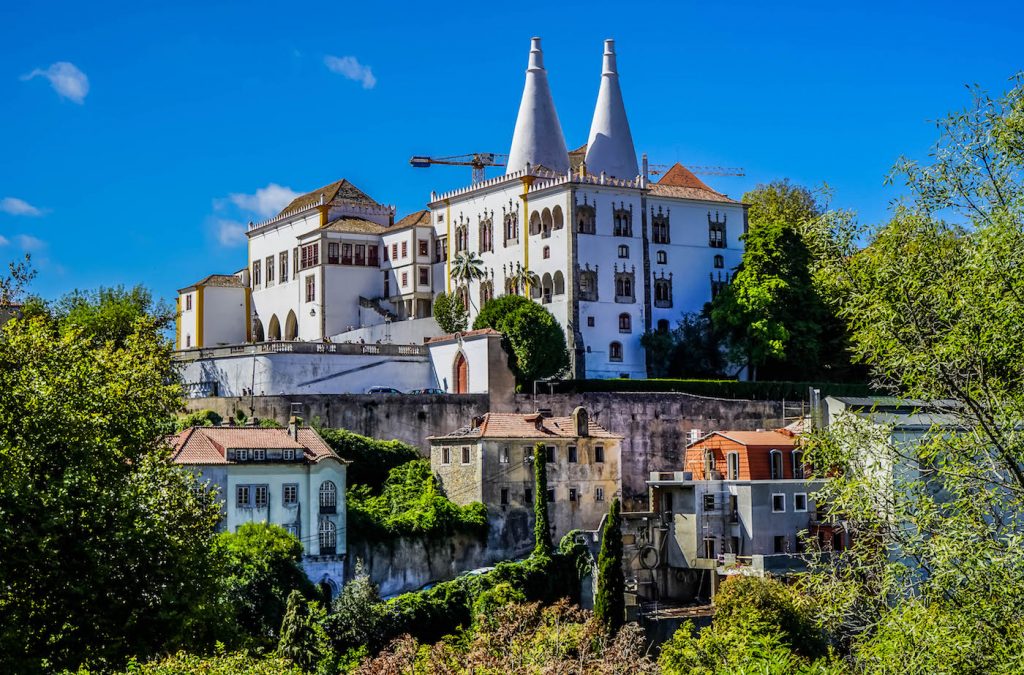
935,310
534,340
523,279
449,313
372,459
303,641
610,601
108,314
692,349
262,567
357,615
107,546
14,283
541,524
467,266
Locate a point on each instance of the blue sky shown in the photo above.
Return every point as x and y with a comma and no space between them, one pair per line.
136,137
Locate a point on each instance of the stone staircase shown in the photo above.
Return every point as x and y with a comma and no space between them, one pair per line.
374,304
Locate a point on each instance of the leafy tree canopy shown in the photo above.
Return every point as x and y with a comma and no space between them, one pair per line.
262,568
609,602
449,313
106,314
372,459
107,549
534,340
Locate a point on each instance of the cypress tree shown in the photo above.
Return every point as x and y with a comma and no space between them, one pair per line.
541,526
610,602
298,641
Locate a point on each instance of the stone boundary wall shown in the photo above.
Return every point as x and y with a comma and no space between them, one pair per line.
656,426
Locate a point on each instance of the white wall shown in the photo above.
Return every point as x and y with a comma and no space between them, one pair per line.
406,332
284,373
442,361
224,315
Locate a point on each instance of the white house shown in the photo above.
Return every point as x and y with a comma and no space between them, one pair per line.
613,254
288,477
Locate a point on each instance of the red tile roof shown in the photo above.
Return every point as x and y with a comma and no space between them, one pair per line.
680,182
341,190
466,334
531,426
415,218
208,445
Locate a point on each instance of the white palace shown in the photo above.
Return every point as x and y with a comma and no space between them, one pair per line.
611,255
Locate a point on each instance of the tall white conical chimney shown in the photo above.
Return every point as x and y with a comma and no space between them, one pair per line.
610,146
538,136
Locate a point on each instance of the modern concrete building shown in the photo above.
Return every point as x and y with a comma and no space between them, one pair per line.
288,477
491,462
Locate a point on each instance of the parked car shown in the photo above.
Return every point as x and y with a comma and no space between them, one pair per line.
382,390
427,391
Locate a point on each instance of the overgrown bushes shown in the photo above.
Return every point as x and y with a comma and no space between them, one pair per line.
411,503
372,459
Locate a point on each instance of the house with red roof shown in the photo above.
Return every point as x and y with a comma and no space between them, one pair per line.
289,477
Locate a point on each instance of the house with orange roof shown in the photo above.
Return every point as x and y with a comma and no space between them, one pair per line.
491,461
288,477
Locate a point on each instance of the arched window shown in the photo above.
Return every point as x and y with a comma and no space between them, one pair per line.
274,332
328,497
534,223
586,219
662,292
257,333
547,286
486,292
545,223
558,220
588,285
719,262
624,287
511,227
733,465
615,351
291,327
328,537
486,235
776,465
798,464
625,323
559,283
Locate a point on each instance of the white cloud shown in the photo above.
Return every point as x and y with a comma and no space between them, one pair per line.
30,243
229,232
18,207
266,201
4,241
65,78
350,68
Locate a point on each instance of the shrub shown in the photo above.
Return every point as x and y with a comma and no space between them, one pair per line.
609,603
199,418
372,459
534,340
411,503
449,313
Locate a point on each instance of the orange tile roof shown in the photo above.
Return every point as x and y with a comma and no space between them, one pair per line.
756,438
415,218
531,426
208,445
466,334
680,182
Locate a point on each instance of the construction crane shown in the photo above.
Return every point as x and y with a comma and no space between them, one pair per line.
477,160
656,169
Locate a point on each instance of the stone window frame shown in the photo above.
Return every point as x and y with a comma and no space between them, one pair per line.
625,278
467,455
588,285
290,494
663,288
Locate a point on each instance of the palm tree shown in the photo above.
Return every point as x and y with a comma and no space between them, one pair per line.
523,278
467,266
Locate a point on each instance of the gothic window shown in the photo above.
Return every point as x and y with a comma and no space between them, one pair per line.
256,273
719,262
557,219
662,293
716,231
486,236
546,223
659,228
586,219
622,222
283,263
588,285
270,270
559,283
623,251
441,249
624,287
486,291
510,286
615,351
511,227
461,238
625,323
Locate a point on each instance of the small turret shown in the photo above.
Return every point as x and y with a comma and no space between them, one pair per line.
537,139
610,147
